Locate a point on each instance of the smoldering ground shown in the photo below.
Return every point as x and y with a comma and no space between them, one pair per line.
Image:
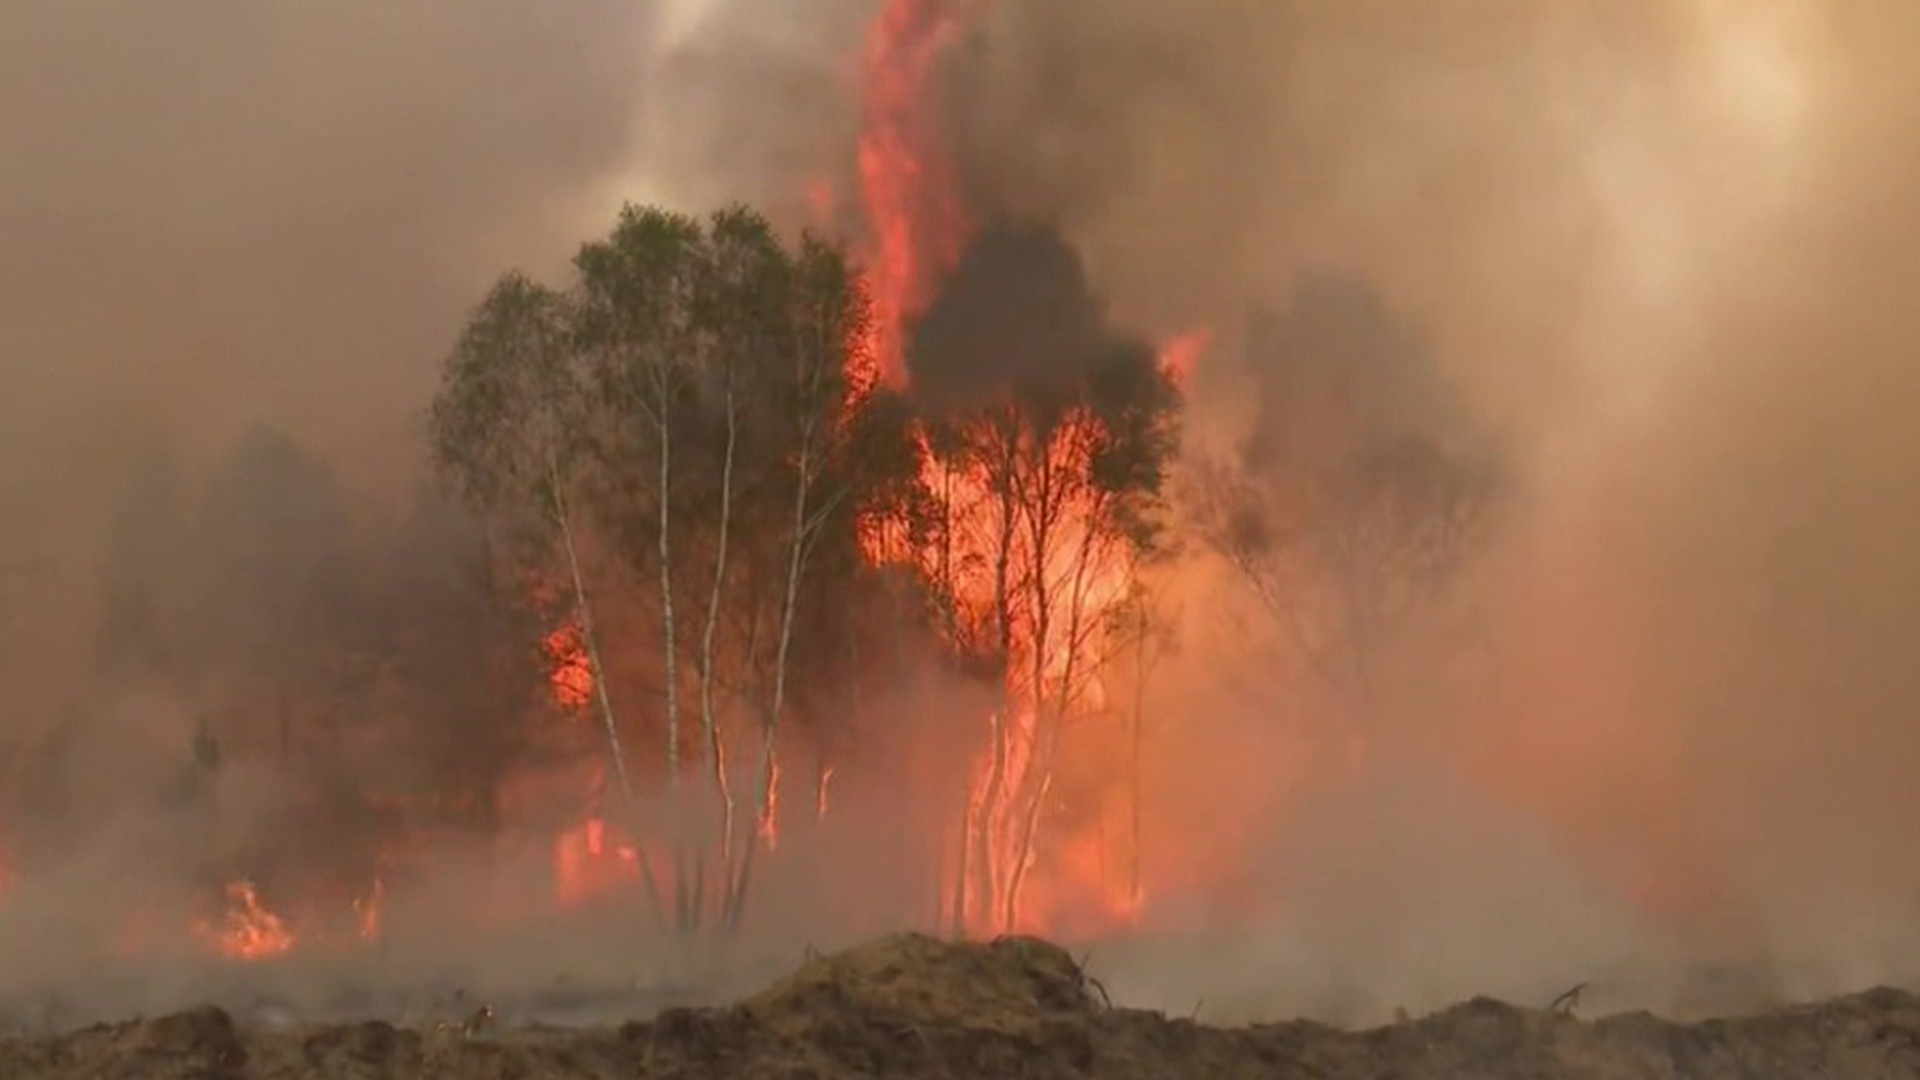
1663,249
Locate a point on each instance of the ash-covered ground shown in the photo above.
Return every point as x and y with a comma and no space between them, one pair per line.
914,1006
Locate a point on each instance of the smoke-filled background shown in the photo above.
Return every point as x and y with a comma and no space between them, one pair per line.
1660,251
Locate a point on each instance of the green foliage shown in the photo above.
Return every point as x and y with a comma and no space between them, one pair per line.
688,364
692,404
506,427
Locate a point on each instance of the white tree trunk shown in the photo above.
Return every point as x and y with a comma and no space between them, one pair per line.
670,638
596,670
709,720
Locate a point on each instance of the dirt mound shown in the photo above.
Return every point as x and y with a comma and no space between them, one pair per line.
1012,985
916,1007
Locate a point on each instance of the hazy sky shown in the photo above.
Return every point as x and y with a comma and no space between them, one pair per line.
231,209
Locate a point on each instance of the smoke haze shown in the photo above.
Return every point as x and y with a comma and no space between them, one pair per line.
1660,247
1665,249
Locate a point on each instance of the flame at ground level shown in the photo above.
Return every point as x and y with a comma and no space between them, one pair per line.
248,931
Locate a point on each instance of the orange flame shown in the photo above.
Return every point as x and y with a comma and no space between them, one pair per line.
248,932
570,671
918,231
918,227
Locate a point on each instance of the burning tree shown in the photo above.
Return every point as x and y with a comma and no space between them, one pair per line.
682,416
1045,443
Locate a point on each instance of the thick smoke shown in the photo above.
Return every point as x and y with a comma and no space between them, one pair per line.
238,215
1659,248
1662,250
1016,314
213,219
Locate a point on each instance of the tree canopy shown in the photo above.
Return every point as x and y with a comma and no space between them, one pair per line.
682,436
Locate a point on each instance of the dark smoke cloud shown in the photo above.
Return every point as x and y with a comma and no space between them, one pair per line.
1017,311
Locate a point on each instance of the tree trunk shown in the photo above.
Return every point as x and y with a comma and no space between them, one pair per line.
963,857
767,826
669,646
1046,752
989,811
956,901
716,753
590,641
1135,884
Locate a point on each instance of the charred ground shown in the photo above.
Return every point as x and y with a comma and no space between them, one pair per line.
914,1006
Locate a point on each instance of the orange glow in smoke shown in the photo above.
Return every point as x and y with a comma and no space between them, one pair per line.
572,865
1180,355
248,931
369,910
590,862
768,827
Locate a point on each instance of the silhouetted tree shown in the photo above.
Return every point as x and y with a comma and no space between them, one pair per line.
273,587
1363,487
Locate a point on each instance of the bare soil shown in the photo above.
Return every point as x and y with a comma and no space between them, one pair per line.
915,1007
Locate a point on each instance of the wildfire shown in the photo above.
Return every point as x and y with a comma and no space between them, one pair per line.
369,909
1054,622
575,853
248,932
917,225
570,673
917,231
